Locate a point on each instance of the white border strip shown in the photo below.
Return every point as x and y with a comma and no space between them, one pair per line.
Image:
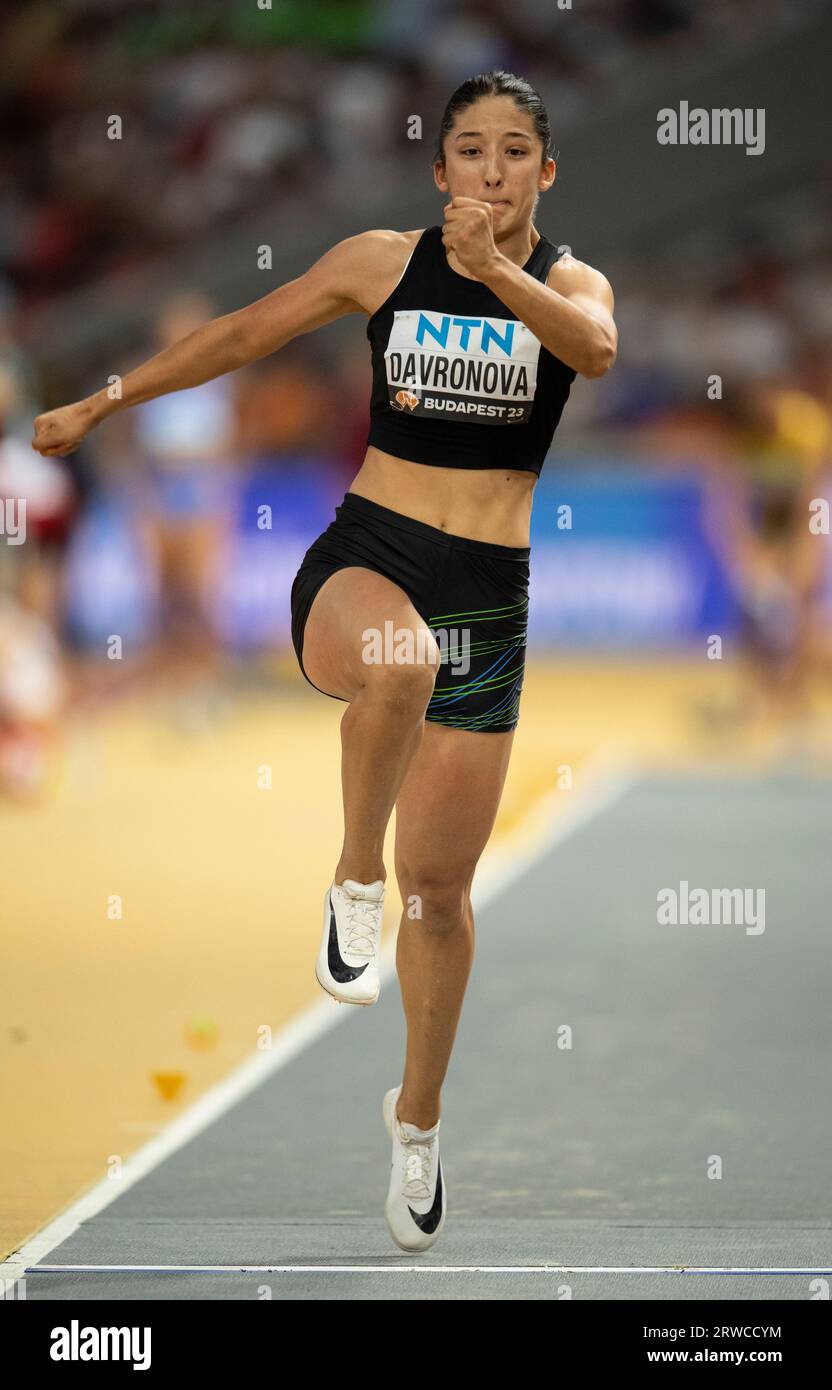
418,1269
546,825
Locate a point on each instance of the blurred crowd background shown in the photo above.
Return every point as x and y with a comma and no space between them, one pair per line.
692,471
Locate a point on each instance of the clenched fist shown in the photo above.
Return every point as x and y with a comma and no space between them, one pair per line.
469,233
61,431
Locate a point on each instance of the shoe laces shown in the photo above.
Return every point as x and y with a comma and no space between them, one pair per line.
418,1171
362,926
417,1183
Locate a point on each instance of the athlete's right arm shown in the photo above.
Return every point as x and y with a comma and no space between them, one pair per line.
343,281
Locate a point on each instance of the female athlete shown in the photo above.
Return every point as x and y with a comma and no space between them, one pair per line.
411,607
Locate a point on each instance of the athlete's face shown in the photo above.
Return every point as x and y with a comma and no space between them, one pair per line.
492,153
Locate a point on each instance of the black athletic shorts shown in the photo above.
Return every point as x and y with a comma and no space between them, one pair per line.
473,595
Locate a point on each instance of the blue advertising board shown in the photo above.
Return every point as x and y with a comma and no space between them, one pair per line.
620,558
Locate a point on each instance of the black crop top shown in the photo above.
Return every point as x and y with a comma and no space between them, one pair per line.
450,361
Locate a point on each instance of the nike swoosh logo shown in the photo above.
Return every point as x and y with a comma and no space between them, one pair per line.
429,1220
338,968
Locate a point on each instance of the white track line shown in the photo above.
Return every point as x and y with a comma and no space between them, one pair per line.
601,783
418,1269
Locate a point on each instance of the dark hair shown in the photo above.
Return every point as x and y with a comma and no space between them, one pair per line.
495,84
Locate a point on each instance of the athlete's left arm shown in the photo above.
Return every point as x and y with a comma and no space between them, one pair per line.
574,321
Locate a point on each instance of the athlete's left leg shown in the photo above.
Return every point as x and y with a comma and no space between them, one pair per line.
445,813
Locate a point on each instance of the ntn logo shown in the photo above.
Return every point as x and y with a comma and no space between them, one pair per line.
500,332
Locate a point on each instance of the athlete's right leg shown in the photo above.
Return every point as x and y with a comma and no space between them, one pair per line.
383,724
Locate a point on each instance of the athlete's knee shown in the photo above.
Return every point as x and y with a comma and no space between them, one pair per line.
436,900
401,684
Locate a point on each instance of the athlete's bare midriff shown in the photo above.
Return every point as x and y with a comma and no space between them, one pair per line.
485,504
